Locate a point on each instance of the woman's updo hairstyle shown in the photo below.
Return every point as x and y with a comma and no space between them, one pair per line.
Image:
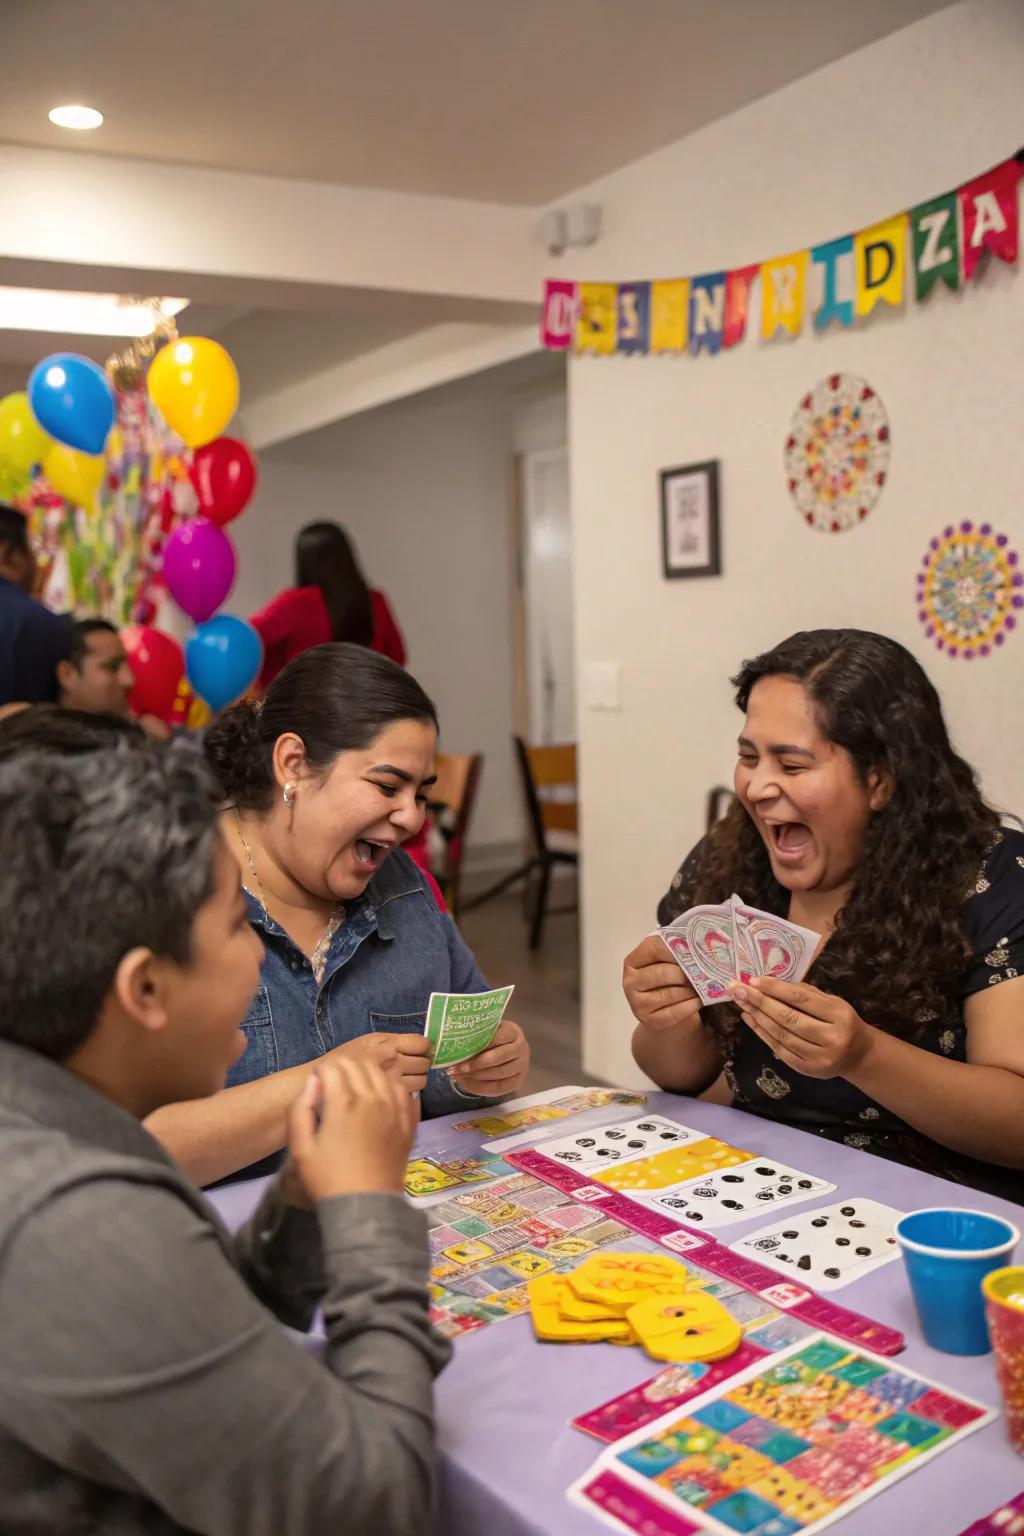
336,697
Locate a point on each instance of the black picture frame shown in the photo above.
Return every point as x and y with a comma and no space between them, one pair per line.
690,531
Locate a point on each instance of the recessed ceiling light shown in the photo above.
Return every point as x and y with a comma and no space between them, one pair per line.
79,314
78,117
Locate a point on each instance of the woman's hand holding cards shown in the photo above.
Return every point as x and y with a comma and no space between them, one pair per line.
349,1131
405,1056
657,991
811,1031
501,1069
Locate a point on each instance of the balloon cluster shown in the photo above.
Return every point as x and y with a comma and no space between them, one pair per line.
62,424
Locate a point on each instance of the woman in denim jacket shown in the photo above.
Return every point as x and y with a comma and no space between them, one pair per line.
323,781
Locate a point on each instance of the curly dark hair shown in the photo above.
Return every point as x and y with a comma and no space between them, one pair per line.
899,945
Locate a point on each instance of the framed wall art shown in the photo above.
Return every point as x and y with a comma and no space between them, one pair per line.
690,533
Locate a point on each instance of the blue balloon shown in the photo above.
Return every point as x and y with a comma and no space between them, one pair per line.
222,658
71,398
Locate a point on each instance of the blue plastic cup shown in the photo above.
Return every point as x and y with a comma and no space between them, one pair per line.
948,1253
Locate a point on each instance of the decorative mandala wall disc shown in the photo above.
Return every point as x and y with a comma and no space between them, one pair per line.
837,453
969,590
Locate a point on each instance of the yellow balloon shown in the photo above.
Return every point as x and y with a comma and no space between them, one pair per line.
194,385
74,475
23,442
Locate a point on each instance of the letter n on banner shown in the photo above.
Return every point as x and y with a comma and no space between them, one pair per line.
989,206
558,315
670,313
879,256
595,328
707,312
933,227
634,316
737,302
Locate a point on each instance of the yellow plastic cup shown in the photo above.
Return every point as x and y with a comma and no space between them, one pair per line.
1003,1290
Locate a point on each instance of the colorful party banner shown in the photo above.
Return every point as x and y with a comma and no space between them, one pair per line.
783,282
943,240
832,307
989,207
737,302
558,314
879,261
595,328
707,313
670,314
634,314
936,242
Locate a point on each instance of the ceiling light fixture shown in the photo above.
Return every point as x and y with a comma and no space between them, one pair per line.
77,117
81,314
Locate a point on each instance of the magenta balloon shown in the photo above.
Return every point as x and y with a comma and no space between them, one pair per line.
199,567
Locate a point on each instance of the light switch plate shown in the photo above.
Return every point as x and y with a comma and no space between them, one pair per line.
603,685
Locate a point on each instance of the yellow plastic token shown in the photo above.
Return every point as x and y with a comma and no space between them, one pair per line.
619,1280
576,1311
686,1327
548,1323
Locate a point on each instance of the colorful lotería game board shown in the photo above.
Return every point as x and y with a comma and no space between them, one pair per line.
791,1444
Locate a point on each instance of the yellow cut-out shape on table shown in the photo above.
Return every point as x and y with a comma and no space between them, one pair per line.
689,1326
529,1264
545,1295
425,1178
674,1165
620,1280
575,1310
469,1252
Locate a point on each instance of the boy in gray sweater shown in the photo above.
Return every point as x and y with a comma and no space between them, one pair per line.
145,1382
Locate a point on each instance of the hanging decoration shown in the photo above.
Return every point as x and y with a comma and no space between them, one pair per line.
944,240
837,453
970,591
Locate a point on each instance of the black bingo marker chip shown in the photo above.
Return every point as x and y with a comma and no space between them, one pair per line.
832,1274
820,1221
732,1178
766,1173
640,1144
785,1189
857,1223
646,1125
864,1252
791,1235
847,1210
842,1242
585,1141
732,1205
804,1184
668,1135
804,1262
615,1135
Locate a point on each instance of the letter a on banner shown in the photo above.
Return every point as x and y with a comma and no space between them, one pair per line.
558,314
936,245
595,328
783,282
670,314
879,256
707,312
990,216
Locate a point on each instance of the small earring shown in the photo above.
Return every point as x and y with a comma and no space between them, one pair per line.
289,793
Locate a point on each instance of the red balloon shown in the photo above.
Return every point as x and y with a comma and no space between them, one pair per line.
224,475
159,665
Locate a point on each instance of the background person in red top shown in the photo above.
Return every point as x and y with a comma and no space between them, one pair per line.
330,601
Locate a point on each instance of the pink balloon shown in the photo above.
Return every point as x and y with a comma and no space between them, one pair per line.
199,567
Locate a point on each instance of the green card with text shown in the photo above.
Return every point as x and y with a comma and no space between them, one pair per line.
461,1024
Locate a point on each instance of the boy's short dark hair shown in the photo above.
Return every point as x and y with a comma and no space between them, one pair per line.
102,852
71,732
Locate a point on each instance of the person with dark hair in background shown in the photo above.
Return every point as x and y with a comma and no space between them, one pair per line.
856,818
32,639
330,601
145,1382
72,732
324,780
97,677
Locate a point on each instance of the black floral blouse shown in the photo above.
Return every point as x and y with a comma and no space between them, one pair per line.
994,918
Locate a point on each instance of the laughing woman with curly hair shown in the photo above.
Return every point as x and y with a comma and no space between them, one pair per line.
855,818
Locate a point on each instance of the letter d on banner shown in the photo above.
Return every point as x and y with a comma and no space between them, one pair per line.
880,258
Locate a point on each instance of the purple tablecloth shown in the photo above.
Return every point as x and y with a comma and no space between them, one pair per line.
504,1404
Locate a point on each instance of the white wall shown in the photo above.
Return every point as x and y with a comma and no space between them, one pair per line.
875,133
422,486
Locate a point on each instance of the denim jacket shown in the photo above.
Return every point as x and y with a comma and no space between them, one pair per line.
393,949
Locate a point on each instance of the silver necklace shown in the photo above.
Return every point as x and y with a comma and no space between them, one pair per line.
318,959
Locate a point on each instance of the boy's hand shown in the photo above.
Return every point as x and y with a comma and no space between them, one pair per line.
350,1131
